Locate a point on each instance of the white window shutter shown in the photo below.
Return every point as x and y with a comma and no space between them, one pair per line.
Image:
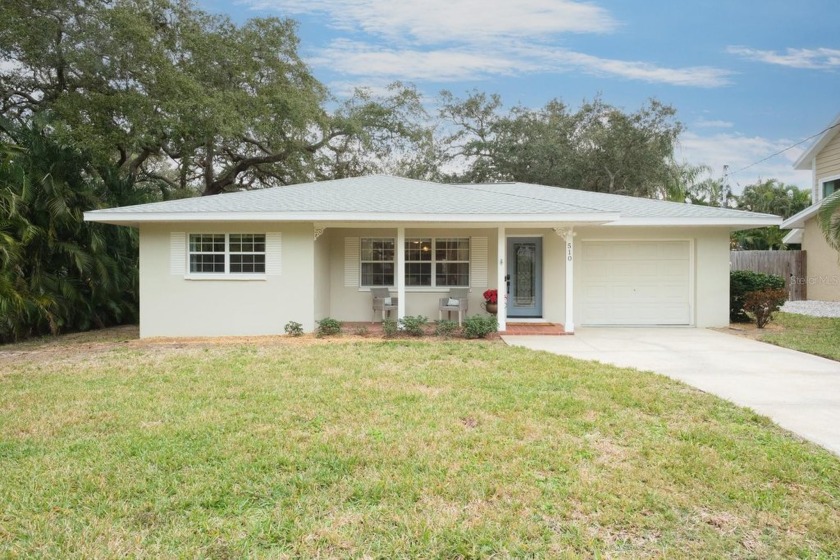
274,254
478,262
177,253
351,262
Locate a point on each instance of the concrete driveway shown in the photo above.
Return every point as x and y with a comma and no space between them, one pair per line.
800,392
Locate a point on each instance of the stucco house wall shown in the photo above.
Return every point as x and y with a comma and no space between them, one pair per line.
175,305
312,283
823,273
323,267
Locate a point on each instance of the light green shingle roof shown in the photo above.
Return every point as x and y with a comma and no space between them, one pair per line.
388,198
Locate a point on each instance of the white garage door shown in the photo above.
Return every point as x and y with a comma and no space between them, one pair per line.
635,283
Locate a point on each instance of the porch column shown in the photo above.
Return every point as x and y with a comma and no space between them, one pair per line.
400,273
569,323
501,283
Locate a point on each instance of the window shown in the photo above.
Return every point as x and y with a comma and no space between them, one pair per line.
207,252
418,262
830,187
452,262
247,253
448,258
377,260
227,253
429,262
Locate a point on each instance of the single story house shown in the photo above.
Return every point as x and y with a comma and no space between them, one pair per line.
822,261
246,263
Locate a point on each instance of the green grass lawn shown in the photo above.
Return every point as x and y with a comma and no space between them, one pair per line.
815,335
398,449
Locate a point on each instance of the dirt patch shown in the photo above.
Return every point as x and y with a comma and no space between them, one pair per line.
749,330
79,346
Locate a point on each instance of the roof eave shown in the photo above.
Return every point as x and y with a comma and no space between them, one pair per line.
805,161
136,218
737,223
798,220
793,236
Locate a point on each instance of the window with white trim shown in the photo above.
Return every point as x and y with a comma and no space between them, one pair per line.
443,262
377,259
418,262
830,187
247,253
227,253
452,262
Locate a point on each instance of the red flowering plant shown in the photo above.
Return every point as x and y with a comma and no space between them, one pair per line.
491,296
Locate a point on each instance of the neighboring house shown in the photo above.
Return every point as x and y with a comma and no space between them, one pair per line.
822,265
248,262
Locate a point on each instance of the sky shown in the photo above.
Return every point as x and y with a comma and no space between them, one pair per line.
748,78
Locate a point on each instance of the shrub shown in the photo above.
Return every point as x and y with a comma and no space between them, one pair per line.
760,305
445,328
741,282
479,326
361,330
389,328
293,328
413,325
328,327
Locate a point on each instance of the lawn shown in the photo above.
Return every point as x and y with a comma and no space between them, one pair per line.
404,449
815,335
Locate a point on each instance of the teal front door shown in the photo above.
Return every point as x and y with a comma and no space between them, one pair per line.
524,277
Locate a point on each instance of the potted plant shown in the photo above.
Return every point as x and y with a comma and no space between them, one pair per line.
491,300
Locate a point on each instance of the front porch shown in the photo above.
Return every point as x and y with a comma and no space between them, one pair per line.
420,265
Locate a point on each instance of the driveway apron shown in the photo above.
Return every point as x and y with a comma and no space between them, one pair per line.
800,392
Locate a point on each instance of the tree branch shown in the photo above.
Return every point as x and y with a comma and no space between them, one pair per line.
138,161
229,176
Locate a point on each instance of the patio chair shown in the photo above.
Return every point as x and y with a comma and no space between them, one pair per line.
457,301
382,302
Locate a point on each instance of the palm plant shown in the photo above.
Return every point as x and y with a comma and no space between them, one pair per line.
57,272
829,219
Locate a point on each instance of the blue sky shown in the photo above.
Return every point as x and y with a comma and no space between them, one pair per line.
748,78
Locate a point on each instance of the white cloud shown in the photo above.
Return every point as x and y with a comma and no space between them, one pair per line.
697,76
470,63
362,59
737,151
813,59
709,123
433,21
450,40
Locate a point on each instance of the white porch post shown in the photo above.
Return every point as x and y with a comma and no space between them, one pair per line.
501,284
569,323
400,273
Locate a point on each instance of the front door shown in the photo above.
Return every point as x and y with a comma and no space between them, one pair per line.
524,280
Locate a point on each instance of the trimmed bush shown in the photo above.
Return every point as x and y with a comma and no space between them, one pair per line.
414,325
479,326
762,304
328,327
293,328
446,328
389,328
741,282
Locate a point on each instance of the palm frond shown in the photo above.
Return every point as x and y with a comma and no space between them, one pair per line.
829,218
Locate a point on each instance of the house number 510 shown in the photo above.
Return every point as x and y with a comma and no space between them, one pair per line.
569,252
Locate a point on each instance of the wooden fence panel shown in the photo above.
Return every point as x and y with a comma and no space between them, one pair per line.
790,265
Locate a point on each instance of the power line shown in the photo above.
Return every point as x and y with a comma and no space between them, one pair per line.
771,156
